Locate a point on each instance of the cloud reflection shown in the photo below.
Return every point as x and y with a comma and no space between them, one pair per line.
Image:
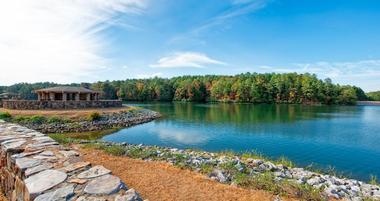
183,137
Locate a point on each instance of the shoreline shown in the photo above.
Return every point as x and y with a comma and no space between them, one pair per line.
245,171
242,170
91,121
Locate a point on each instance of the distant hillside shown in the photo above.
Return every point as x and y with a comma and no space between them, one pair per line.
374,96
246,88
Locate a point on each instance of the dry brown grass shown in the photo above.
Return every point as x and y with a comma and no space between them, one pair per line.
160,181
69,113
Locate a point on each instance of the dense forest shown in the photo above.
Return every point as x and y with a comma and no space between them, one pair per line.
373,96
247,88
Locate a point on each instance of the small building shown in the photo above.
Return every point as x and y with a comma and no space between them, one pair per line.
9,95
67,93
62,97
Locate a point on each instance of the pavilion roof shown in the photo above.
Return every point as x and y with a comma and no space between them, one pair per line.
67,89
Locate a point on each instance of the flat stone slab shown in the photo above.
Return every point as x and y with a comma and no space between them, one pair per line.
24,154
129,195
93,172
78,181
104,185
49,158
36,169
75,166
47,153
91,198
61,194
6,138
43,181
41,145
69,153
24,163
43,139
14,144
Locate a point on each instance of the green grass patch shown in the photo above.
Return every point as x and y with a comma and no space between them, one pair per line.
39,119
115,150
373,180
90,135
62,139
140,153
69,138
266,181
206,168
5,115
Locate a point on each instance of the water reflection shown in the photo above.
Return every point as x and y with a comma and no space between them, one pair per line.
342,136
180,136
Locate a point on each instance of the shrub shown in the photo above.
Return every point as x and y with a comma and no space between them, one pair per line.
37,119
59,120
94,116
19,119
115,150
5,115
373,180
206,168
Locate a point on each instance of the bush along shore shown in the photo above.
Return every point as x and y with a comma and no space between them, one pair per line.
246,170
94,122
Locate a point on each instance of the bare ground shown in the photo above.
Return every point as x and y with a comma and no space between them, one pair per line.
159,181
68,113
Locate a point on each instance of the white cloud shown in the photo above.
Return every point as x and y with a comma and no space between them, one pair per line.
186,59
60,41
141,76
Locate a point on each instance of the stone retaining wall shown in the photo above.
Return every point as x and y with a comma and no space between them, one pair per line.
35,167
37,105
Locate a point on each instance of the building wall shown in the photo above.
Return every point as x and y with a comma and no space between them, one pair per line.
36,105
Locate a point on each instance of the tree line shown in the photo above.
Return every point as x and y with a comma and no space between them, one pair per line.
373,96
242,88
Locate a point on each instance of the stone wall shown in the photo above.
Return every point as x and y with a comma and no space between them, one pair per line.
36,105
35,167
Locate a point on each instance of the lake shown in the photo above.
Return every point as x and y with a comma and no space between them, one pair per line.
344,137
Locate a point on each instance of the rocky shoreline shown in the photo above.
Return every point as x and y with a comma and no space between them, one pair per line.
106,121
330,186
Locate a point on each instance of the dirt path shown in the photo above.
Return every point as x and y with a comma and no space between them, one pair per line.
158,181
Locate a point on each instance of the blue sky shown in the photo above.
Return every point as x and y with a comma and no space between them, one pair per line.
145,38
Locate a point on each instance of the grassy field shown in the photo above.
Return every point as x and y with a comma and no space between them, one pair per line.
73,114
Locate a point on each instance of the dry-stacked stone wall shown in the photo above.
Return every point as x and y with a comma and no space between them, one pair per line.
37,105
35,167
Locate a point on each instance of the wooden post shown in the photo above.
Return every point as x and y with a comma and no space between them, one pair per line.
77,96
64,96
39,95
52,96
88,97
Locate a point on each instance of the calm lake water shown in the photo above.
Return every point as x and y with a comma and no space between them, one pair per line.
345,137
